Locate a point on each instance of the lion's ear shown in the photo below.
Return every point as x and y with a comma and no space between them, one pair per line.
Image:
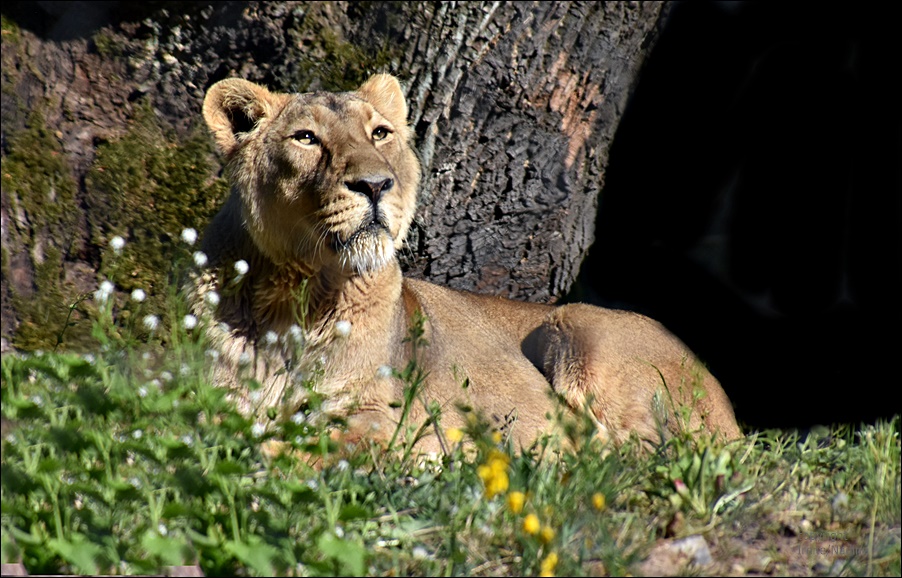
384,92
234,106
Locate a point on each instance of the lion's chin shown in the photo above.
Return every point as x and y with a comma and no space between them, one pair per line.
366,252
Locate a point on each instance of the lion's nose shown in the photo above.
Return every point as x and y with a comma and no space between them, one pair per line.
373,188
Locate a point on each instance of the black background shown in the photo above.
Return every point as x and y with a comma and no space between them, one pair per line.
753,204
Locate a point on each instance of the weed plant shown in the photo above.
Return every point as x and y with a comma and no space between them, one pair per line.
128,460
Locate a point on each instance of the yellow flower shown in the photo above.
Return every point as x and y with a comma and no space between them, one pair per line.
531,524
598,501
494,474
455,435
496,436
515,501
548,565
547,534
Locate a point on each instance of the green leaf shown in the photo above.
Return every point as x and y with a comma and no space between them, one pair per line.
229,467
170,551
258,556
79,552
350,557
353,512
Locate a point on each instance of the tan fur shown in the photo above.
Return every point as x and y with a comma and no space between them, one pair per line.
324,193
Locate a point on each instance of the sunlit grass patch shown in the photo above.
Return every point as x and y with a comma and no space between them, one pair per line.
128,460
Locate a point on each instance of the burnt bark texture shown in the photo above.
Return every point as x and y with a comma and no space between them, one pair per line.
514,104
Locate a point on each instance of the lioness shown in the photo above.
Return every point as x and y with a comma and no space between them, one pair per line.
324,191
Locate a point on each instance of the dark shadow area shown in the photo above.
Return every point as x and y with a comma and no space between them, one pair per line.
68,20
753,204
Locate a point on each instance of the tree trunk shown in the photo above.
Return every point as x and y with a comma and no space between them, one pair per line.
514,105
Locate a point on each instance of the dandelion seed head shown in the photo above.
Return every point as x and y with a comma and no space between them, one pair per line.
151,322
200,258
384,372
189,321
258,429
212,298
137,434
271,337
297,334
138,295
342,328
117,243
241,267
142,391
298,418
104,291
189,235
419,553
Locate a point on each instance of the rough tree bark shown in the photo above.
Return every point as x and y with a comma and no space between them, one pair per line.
514,105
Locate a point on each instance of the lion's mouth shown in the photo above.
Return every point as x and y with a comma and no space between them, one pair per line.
364,233
368,248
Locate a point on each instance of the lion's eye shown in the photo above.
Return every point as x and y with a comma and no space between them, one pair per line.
305,137
381,133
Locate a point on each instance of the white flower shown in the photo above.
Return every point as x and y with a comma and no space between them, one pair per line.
162,529
297,334
342,465
419,553
299,418
271,337
89,357
138,295
212,298
241,267
104,291
151,322
189,235
200,258
343,328
117,243
384,371
187,440
166,376
189,321
258,430
137,434
212,354
244,359
142,391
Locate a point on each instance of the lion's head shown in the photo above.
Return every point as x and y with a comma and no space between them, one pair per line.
326,180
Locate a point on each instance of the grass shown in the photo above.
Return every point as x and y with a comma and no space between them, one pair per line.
128,460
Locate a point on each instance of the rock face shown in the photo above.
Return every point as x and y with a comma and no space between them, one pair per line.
514,106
